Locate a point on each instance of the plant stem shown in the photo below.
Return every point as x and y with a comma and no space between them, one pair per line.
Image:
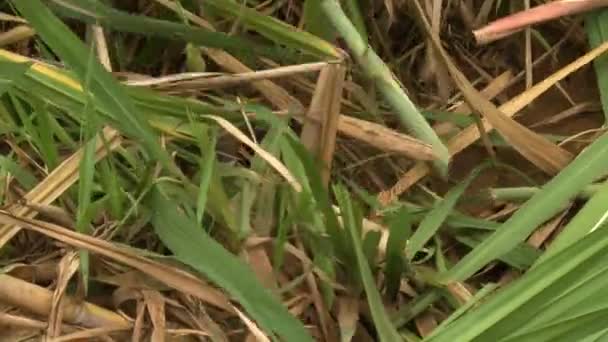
523,193
392,91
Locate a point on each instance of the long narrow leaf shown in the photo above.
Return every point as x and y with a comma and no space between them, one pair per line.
384,326
94,12
596,25
382,76
470,326
435,218
108,94
587,167
192,246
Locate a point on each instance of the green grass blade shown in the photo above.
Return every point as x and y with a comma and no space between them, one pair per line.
384,79
321,197
591,216
421,303
575,329
533,283
11,72
192,246
400,230
370,244
316,22
587,167
479,295
94,12
436,217
353,9
44,124
352,222
109,180
86,172
596,25
576,295
521,257
108,94
23,176
273,29
206,171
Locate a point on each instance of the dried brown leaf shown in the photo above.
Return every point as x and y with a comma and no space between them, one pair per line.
66,269
425,324
258,259
86,335
171,276
16,34
138,325
57,182
384,138
495,87
537,149
469,135
38,300
348,316
155,303
319,132
272,160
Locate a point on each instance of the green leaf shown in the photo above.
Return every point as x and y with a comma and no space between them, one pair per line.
86,171
23,176
495,314
194,247
400,230
206,171
435,218
11,73
94,12
108,94
352,223
272,28
316,22
353,9
587,167
596,25
575,329
591,216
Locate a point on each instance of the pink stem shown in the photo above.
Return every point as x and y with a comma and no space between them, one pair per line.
516,22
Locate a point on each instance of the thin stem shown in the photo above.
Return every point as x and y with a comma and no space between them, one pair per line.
388,86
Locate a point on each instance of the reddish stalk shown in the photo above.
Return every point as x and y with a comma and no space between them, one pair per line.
550,11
